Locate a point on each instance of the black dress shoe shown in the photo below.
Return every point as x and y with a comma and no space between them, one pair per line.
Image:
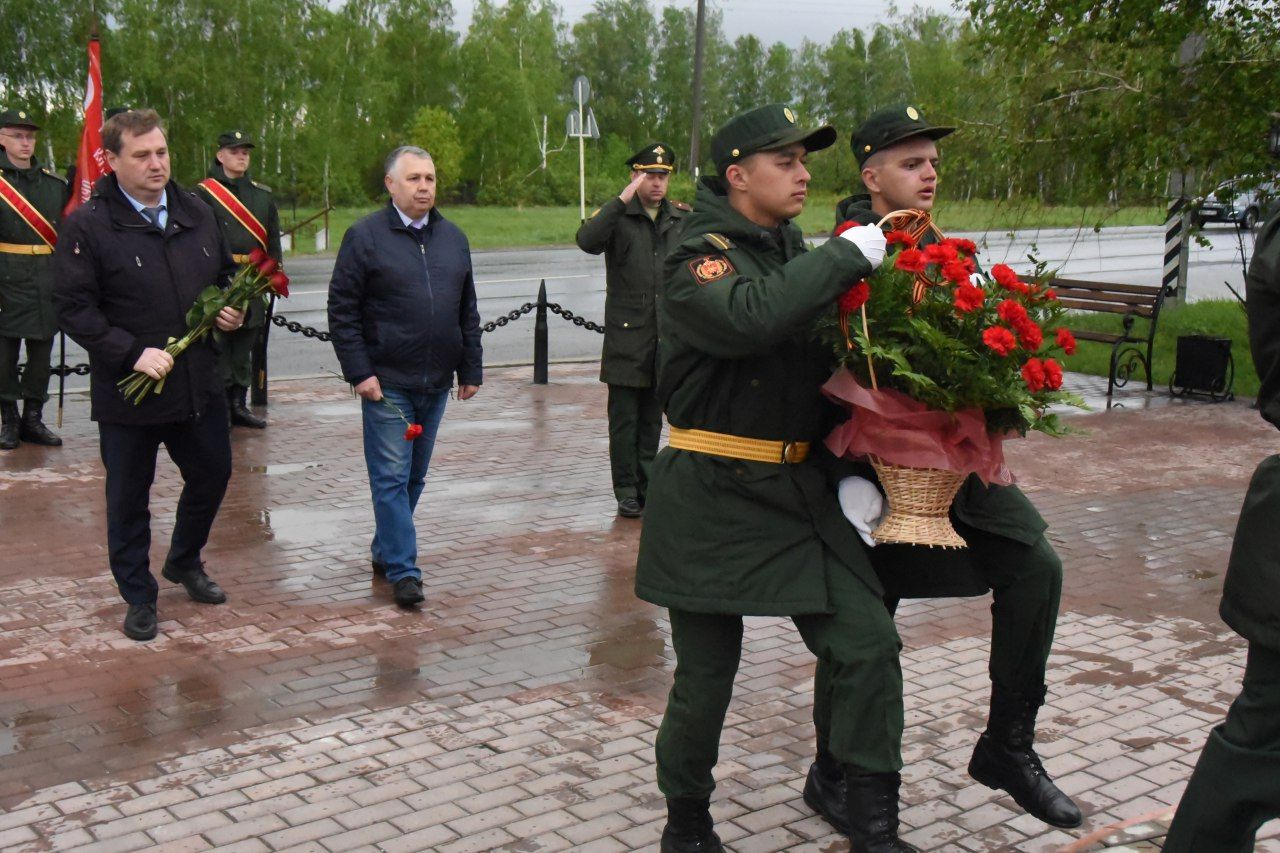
32,429
825,794
630,508
140,622
408,592
379,568
200,587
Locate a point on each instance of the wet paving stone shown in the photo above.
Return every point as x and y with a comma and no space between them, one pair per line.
518,707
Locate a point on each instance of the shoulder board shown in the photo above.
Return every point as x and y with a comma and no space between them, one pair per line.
679,205
593,213
261,186
55,176
720,241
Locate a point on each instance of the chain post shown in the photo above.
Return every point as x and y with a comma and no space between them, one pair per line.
540,337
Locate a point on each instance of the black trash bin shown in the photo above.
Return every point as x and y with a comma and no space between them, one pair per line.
1203,366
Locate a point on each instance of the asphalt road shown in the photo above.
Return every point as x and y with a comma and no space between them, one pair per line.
506,279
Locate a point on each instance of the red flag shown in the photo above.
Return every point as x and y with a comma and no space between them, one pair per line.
91,161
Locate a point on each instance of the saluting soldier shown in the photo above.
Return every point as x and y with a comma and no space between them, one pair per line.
247,215
635,231
1235,788
31,202
897,153
741,520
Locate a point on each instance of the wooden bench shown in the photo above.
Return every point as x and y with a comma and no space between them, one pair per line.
1132,347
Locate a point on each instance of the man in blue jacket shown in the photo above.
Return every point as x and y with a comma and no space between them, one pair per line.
402,315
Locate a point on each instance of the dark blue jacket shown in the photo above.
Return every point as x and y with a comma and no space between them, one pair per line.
402,304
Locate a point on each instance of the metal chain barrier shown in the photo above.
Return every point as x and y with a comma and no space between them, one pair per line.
508,317
294,326
574,318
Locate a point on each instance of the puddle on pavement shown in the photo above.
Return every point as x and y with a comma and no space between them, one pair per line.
286,468
348,409
629,652
1201,574
300,523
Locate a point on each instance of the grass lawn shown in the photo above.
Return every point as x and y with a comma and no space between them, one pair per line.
1216,317
512,227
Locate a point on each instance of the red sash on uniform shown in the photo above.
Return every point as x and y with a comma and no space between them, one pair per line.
237,209
27,213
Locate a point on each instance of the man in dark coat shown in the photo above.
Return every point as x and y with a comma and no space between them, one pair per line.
897,153
635,231
129,265
740,519
31,202
247,215
403,318
1235,787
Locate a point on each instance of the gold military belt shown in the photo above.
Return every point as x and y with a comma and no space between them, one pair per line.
737,447
24,249
240,259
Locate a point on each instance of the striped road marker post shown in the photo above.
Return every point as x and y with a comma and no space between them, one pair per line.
1176,244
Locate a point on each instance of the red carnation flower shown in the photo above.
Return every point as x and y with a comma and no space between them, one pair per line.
844,226
257,256
1049,294
1004,274
855,297
1033,375
911,260
966,246
1012,312
1030,336
1052,374
267,267
940,253
279,283
412,431
956,271
969,298
1067,341
901,237
1000,339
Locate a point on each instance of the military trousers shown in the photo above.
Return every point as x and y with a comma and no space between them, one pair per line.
635,424
859,703
34,383
235,356
1026,590
1235,787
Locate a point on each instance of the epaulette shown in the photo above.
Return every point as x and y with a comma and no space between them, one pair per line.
679,205
260,186
54,175
720,241
592,214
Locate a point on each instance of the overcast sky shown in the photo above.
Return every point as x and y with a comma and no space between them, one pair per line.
788,21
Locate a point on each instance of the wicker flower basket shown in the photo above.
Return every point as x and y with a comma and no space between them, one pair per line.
919,506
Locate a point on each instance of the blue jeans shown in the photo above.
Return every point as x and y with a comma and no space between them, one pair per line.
398,472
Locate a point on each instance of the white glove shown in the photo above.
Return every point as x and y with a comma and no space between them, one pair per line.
977,279
861,503
870,241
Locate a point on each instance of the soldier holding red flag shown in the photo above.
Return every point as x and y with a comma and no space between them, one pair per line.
248,218
31,201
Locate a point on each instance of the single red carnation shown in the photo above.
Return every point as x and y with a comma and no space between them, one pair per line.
1012,312
855,297
1067,341
969,298
966,246
999,339
1004,274
956,271
1030,336
1049,294
1052,374
257,256
279,283
1033,375
911,260
267,267
899,237
940,253
844,226
412,431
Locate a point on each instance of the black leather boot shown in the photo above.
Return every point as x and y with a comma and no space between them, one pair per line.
688,828
32,430
824,791
240,414
1005,760
9,426
873,813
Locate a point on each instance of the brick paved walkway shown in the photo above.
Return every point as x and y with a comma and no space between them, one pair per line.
517,710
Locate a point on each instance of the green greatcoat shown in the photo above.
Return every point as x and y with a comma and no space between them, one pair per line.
725,536
634,247
1002,510
237,347
26,281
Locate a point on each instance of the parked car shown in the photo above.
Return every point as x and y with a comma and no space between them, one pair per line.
1244,201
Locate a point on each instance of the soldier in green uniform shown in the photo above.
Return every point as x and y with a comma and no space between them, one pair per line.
1235,787
740,519
31,202
635,231
259,229
896,151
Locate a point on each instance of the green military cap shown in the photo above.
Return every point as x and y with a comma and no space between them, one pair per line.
112,112
18,118
656,157
764,129
234,139
889,126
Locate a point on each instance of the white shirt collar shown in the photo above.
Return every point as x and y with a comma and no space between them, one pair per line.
412,223
139,206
